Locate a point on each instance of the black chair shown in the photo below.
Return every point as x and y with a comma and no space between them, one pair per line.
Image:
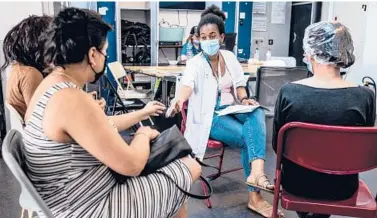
230,41
119,105
271,79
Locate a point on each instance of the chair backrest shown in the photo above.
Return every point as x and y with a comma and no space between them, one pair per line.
16,121
230,41
12,150
271,79
329,149
289,61
117,70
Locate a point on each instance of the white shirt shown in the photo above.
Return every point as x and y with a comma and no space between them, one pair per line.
198,75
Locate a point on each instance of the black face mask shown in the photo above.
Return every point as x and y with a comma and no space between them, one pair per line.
97,75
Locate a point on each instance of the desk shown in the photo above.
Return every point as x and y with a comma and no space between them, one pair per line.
163,71
175,46
169,73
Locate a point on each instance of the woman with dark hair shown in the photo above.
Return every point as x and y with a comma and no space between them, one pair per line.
23,50
325,98
71,145
212,81
191,47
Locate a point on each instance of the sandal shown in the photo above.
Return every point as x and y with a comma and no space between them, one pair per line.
264,207
261,182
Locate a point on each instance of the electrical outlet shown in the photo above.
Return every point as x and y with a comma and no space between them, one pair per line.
258,41
270,42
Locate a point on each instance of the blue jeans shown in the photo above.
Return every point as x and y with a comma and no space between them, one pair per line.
246,131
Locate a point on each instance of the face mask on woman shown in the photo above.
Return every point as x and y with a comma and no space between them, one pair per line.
210,47
308,64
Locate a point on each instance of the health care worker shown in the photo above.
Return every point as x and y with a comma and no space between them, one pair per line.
212,81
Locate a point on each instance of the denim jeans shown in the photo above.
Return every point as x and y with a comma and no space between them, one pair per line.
246,131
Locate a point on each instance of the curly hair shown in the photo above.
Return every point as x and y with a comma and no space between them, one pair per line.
71,34
23,43
213,15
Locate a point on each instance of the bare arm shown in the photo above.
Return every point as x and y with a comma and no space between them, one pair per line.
84,122
242,97
241,93
125,121
184,93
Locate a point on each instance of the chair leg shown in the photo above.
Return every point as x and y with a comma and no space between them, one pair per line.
22,213
30,213
276,194
221,158
208,201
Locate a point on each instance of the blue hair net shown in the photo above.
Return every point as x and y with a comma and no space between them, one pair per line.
329,43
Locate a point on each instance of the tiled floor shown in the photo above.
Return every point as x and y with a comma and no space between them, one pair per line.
229,198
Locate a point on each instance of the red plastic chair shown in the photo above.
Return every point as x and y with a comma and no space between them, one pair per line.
211,144
333,150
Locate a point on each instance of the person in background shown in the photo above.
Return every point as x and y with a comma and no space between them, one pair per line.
214,80
325,98
191,47
23,51
71,147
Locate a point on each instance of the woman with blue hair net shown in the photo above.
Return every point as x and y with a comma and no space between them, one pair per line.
325,98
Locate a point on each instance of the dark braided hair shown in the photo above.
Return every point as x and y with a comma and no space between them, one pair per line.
213,15
71,35
23,43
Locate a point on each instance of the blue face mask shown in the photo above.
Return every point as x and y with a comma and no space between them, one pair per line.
210,47
308,65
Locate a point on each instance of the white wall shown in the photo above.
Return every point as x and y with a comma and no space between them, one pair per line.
357,25
187,18
369,66
362,25
279,33
13,12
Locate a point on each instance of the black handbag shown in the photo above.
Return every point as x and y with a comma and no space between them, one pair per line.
169,146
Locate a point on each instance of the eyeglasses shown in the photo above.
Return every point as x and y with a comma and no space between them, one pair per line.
106,56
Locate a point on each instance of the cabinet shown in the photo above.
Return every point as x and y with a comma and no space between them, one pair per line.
139,52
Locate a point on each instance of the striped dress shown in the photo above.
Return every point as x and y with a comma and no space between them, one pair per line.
73,183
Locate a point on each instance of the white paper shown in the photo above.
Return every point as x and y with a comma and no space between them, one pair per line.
259,23
125,102
278,12
102,10
259,7
242,15
239,109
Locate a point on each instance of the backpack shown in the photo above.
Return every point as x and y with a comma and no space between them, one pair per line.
135,34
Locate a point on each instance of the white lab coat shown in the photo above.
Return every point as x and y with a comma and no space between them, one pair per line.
198,75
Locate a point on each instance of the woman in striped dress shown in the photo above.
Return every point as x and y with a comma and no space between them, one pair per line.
70,145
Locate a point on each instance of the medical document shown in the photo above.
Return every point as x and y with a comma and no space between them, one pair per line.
239,109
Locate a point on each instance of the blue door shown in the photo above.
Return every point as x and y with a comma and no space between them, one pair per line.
244,29
109,18
230,9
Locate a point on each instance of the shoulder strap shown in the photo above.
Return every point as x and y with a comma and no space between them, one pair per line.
206,182
201,197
